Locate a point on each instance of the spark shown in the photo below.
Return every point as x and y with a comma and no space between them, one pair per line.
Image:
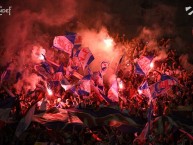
121,86
139,91
151,65
108,42
41,57
50,93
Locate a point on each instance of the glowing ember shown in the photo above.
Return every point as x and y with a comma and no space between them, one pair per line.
151,65
41,57
108,42
139,91
121,86
50,93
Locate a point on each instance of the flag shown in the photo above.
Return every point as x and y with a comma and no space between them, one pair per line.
63,43
104,116
46,66
113,92
58,76
25,121
85,56
5,108
65,84
162,86
55,118
85,88
144,89
98,86
73,65
74,38
149,114
143,65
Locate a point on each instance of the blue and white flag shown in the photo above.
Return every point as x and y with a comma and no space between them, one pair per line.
58,75
113,92
163,85
85,88
143,89
75,38
143,65
63,43
65,84
85,57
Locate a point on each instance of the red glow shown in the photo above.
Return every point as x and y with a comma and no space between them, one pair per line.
108,42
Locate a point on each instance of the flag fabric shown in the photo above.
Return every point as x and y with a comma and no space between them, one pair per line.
85,57
162,86
5,108
149,115
97,77
98,86
74,38
113,92
105,116
63,43
57,118
118,65
46,66
73,65
144,90
143,65
58,75
65,84
84,87
25,121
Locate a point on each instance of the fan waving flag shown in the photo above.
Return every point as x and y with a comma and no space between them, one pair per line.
85,88
113,92
85,57
144,89
163,85
143,65
76,39
63,43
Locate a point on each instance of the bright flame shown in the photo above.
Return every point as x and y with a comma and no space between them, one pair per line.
139,91
108,42
41,57
151,65
50,93
121,86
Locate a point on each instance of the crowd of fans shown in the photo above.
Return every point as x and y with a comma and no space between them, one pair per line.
130,103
